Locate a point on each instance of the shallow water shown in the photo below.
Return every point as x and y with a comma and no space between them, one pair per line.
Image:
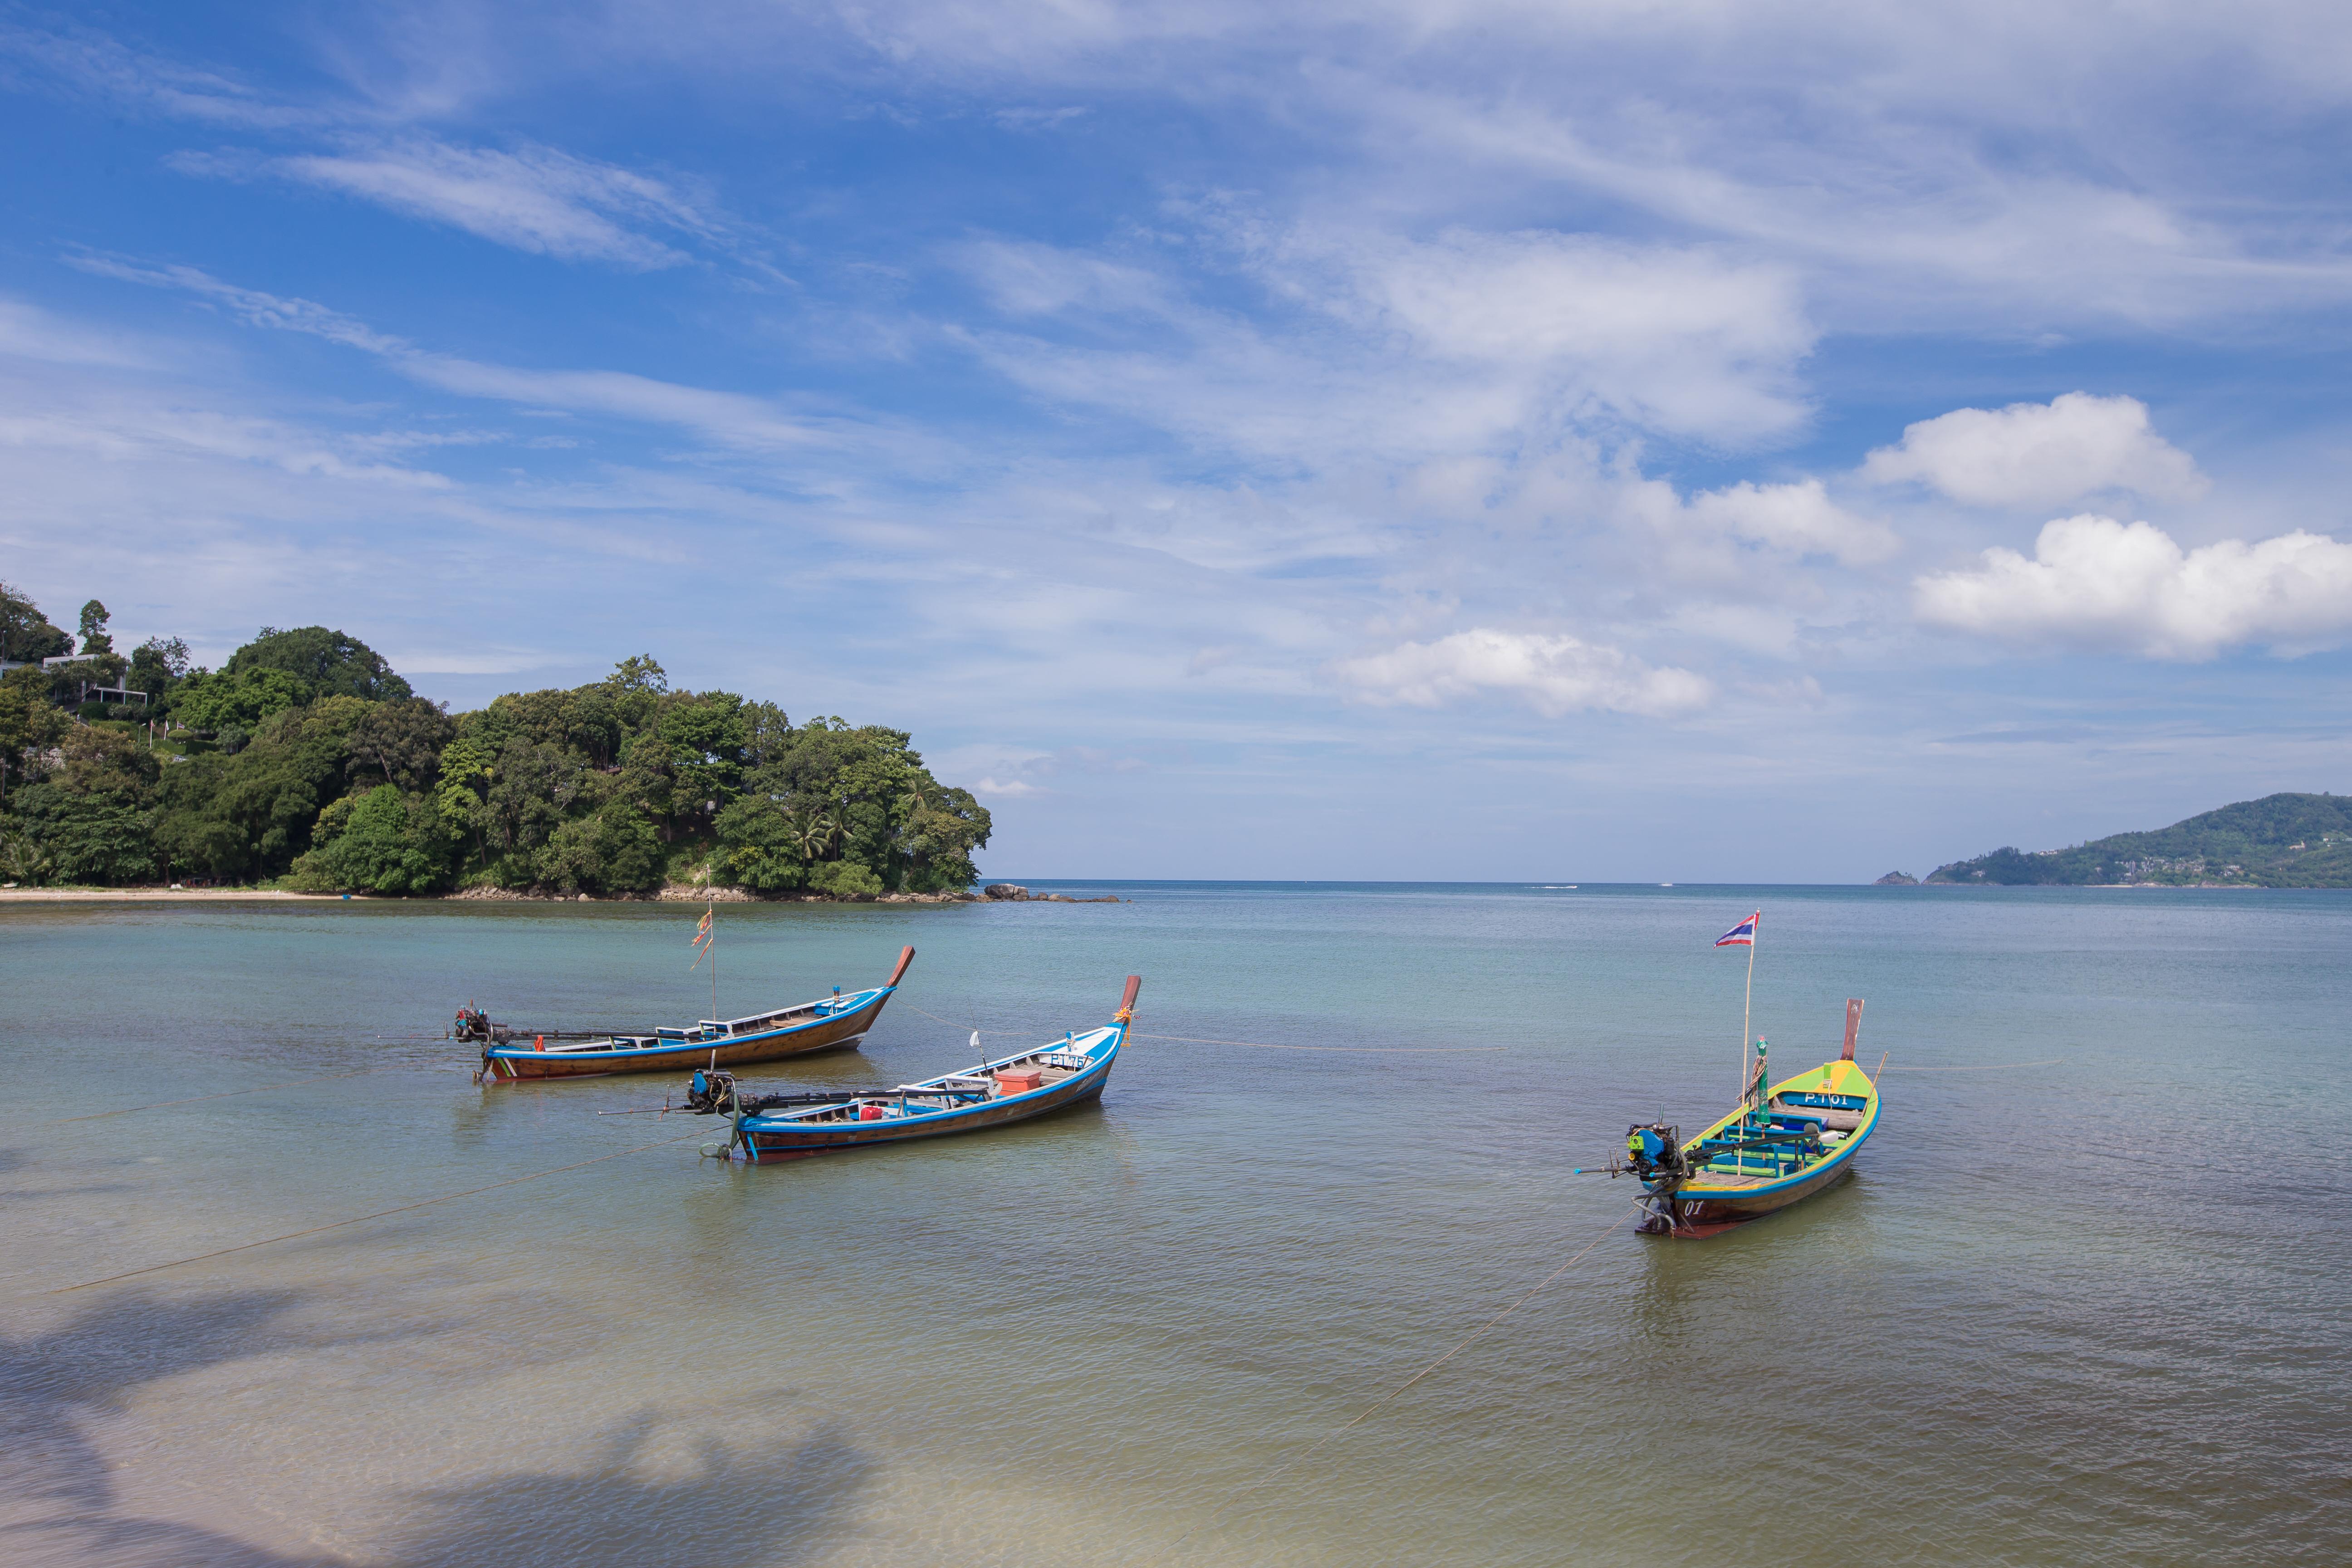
2088,1311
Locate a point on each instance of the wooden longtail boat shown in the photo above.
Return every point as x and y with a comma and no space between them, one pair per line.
829,1021
1781,1145
1062,1073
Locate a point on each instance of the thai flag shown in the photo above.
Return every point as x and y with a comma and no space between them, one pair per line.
1741,935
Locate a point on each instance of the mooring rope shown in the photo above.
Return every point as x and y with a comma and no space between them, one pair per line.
230,1093
952,1024
1376,1050
1393,1395
1255,1045
1996,1066
362,1219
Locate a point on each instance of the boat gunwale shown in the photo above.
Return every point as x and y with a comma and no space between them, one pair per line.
1694,1190
782,1122
851,1007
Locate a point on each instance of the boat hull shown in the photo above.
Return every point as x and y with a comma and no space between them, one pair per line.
1707,1208
784,1139
1701,1207
517,1063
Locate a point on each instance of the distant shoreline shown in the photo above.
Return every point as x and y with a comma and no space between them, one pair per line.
163,895
471,896
676,893
691,895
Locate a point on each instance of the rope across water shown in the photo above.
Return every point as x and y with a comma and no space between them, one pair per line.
1390,1397
230,1093
380,1214
1255,1045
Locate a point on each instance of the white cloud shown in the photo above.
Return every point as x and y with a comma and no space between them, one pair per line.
1553,674
1798,517
2097,583
1678,339
2039,454
536,200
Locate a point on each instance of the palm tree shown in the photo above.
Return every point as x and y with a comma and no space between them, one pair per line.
813,832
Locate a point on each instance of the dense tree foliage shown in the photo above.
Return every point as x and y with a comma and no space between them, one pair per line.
2278,841
305,758
25,635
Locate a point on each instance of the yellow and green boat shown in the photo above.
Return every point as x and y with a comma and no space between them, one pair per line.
1784,1144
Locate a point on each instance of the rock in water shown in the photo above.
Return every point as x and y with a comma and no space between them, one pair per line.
1005,891
1897,880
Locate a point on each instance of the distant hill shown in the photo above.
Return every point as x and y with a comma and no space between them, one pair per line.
2278,841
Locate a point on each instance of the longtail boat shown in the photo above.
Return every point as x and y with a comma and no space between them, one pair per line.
1783,1143
829,1021
991,1093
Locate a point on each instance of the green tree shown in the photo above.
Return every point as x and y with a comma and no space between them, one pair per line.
328,663
467,764
613,851
401,743
25,635
638,674
701,747
156,664
529,791
241,700
194,835
88,816
760,848
102,839
94,639
29,725
249,817
379,842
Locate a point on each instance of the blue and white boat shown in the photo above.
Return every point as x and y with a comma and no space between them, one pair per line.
991,1094
828,1022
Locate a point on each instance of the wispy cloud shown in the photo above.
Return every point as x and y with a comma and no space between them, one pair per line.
728,418
91,62
534,199
1036,119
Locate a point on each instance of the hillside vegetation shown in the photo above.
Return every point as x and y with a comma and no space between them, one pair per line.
305,761
2278,841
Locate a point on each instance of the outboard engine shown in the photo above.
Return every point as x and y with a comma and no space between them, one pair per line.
1654,1157
473,1027
1656,1152
710,1092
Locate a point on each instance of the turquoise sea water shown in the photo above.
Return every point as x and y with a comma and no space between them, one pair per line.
2096,1311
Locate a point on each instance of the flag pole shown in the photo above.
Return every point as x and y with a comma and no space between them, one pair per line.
1748,1007
706,945
711,911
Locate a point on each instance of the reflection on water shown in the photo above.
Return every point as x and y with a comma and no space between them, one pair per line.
2057,1315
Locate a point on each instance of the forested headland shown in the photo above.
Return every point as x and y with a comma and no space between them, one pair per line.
2278,841
305,762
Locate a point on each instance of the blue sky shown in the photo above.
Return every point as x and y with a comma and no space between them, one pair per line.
1485,441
